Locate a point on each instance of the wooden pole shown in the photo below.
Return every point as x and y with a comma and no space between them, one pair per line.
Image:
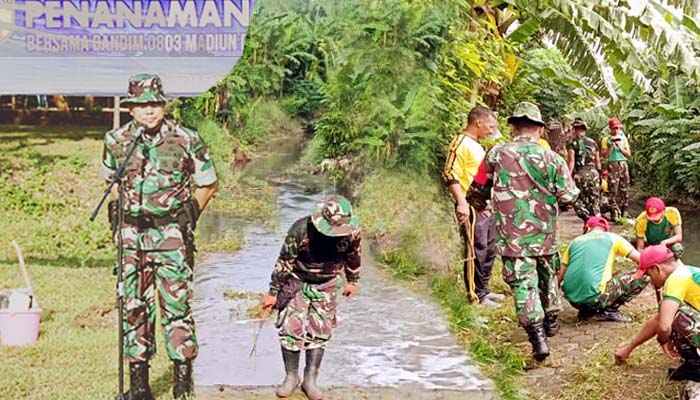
14,102
115,116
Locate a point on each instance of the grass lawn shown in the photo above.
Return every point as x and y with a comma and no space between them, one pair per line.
49,185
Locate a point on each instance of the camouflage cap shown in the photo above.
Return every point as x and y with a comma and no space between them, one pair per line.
145,88
333,217
579,123
528,111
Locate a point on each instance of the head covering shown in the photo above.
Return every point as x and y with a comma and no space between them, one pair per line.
334,217
528,111
579,123
596,221
613,122
653,255
145,88
654,207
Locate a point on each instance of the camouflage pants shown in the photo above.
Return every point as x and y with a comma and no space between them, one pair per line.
619,290
308,320
588,202
167,275
618,183
686,327
535,287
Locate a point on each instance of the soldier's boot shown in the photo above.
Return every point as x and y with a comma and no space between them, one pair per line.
313,363
690,369
182,384
138,382
535,334
291,367
551,326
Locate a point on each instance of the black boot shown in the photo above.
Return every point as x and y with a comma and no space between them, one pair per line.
551,326
291,367
313,363
182,384
690,369
138,382
535,334
613,314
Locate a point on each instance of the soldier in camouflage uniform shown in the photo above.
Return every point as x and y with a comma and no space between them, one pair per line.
586,275
584,162
677,324
305,282
528,183
159,215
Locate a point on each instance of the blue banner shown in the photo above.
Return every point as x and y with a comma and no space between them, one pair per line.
93,46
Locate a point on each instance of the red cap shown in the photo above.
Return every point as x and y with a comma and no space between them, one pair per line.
654,207
597,221
613,122
653,255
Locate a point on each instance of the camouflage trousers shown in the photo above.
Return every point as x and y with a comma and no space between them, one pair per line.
167,275
686,327
619,290
308,320
588,202
618,183
535,287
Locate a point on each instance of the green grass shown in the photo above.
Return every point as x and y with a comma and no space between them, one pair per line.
49,185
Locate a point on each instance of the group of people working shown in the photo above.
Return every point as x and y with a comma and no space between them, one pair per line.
507,202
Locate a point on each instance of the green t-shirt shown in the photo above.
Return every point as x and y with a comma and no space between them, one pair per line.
589,259
654,233
615,153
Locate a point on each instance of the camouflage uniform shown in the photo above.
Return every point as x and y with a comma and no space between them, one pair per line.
157,246
618,184
686,327
586,176
618,291
305,285
528,183
306,275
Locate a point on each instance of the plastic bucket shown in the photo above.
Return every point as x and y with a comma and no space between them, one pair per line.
19,328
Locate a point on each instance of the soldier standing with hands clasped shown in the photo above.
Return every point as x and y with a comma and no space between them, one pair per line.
160,211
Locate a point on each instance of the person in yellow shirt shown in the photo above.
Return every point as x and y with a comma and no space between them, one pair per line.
476,228
677,324
659,224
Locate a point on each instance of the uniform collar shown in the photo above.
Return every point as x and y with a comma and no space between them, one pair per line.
526,138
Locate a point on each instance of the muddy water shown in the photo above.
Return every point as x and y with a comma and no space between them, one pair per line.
387,337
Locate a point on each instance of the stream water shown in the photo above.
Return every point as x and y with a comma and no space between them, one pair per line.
389,339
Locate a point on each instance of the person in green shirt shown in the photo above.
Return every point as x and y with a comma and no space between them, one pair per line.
659,224
615,148
586,276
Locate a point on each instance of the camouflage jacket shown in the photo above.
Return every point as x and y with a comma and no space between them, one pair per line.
528,183
585,150
314,258
157,177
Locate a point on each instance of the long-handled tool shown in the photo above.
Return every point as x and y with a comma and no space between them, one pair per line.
27,282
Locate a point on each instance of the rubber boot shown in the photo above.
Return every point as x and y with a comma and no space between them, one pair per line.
690,369
182,384
138,382
313,363
535,334
291,367
551,326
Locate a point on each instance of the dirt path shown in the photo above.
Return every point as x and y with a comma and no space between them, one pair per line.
581,361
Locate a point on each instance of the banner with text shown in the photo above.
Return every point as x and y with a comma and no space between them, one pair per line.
93,46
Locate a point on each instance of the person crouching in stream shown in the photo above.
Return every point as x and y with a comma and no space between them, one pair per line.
304,286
